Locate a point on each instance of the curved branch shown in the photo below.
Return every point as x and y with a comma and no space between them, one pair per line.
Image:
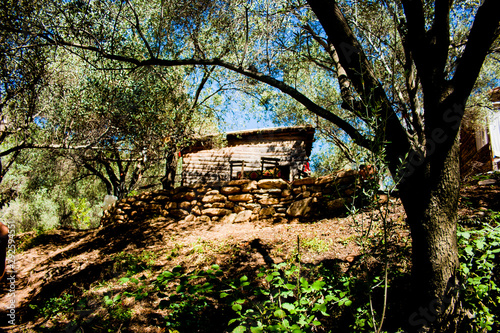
390,132
292,92
139,31
485,30
95,172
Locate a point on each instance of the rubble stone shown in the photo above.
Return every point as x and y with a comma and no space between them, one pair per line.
243,200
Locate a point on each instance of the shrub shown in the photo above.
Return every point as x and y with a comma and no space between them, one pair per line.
289,303
83,214
38,212
478,250
283,301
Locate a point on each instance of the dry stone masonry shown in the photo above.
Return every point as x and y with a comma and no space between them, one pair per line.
242,200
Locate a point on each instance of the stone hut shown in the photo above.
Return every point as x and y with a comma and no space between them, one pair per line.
281,152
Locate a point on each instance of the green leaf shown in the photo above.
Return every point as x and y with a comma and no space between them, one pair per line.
319,307
177,269
330,298
480,244
237,307
124,280
279,313
256,329
288,306
240,329
465,234
318,285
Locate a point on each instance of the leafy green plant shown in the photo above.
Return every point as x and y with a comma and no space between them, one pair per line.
478,250
133,263
362,319
56,305
141,289
117,310
133,193
190,296
289,303
80,213
282,299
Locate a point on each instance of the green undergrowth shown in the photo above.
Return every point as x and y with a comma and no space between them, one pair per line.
479,250
284,298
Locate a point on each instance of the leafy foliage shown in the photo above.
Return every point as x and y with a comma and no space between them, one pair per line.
287,302
56,306
190,297
80,212
479,256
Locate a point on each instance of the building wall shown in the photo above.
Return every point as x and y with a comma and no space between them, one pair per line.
475,155
291,146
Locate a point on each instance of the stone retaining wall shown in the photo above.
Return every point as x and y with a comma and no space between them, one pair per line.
273,200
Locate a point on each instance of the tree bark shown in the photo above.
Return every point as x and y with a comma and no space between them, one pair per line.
168,181
430,194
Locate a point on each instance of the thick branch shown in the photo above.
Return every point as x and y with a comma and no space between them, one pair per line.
484,32
415,32
360,72
292,92
14,149
349,101
95,172
439,39
351,55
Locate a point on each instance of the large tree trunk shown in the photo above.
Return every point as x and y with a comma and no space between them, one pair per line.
430,194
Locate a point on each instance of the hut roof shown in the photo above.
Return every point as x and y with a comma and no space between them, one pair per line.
255,136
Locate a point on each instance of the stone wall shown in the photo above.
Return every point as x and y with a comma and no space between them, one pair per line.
273,200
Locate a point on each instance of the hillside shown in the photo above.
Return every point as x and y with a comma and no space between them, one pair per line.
68,280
